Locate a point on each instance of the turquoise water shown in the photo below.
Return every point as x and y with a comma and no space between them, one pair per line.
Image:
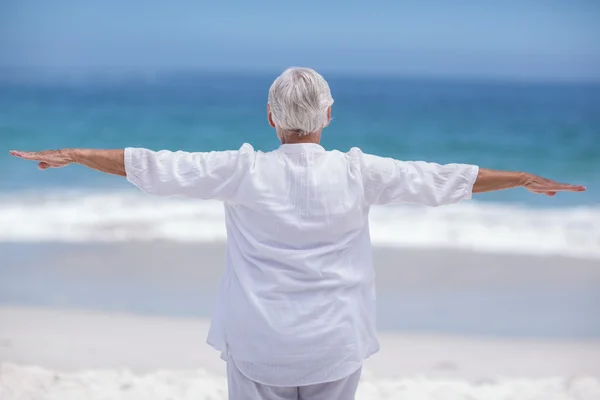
548,129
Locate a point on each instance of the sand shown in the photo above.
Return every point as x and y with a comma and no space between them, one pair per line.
516,327
51,353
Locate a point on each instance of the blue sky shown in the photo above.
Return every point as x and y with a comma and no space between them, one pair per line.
528,39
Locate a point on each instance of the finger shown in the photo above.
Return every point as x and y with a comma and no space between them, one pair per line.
568,188
44,165
27,155
550,193
15,153
554,190
562,187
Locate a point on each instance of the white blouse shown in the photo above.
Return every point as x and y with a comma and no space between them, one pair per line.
296,304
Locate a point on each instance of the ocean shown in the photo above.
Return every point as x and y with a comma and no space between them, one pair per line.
551,129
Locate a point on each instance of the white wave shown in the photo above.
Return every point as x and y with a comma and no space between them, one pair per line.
116,216
34,383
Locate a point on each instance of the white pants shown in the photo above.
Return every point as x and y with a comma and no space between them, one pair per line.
242,388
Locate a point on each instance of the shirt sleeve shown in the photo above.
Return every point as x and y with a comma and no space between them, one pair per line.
387,180
204,175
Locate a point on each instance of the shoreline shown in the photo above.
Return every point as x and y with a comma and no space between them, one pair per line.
126,215
451,292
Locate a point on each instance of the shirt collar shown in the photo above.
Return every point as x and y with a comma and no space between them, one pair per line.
301,148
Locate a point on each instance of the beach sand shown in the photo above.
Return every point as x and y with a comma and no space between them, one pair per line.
50,353
53,346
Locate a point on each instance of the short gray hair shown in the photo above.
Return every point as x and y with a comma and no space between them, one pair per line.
299,99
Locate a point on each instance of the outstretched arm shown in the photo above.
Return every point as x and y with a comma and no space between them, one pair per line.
107,161
387,180
205,175
489,180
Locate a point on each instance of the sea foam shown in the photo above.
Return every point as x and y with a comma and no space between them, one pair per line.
128,216
34,383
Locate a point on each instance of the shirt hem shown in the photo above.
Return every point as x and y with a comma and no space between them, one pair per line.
359,365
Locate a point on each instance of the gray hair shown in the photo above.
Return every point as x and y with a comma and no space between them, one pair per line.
299,99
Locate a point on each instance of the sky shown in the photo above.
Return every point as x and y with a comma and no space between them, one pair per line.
525,39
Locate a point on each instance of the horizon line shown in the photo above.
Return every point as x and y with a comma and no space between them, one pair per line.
145,73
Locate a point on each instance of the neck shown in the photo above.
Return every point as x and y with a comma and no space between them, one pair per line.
294,138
